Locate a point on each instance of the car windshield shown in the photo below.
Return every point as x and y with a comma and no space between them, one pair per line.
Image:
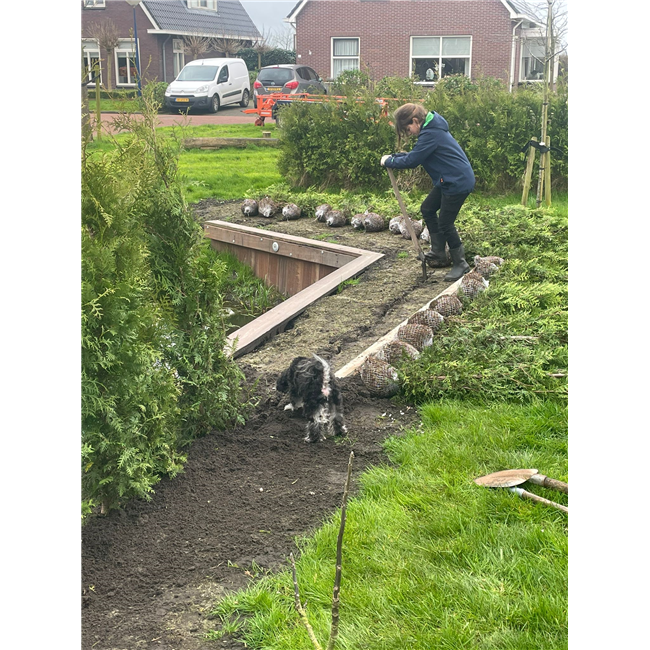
275,76
198,73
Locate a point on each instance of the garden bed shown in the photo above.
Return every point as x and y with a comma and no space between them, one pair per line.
152,572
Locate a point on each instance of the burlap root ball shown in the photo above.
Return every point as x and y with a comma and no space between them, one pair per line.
335,219
484,268
472,284
268,207
447,305
418,227
394,224
374,222
291,212
321,212
428,317
380,378
394,351
249,208
419,336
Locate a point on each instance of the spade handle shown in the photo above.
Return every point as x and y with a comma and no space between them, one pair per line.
551,483
533,497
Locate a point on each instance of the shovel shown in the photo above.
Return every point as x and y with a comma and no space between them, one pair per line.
407,222
512,477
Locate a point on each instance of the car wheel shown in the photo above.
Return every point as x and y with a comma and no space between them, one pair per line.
214,103
245,98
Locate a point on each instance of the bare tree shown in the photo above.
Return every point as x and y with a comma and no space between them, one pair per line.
284,39
196,45
107,35
228,45
263,45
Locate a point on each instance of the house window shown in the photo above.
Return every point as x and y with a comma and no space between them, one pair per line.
345,55
532,61
433,57
91,60
95,4
179,56
202,4
125,63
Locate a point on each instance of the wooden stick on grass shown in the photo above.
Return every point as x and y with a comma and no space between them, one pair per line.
299,608
334,630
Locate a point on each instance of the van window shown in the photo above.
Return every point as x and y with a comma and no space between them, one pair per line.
197,73
223,75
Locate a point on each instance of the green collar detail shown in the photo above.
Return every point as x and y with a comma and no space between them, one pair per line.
428,119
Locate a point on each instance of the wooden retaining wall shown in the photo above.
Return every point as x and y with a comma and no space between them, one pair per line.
301,268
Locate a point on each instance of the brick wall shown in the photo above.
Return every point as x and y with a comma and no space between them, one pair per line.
384,28
121,13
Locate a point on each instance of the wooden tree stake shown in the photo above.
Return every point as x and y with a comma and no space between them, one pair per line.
547,172
528,176
299,608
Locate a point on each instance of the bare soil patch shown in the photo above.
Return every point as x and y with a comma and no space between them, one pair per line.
152,572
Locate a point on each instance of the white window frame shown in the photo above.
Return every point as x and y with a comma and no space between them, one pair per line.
91,46
440,56
333,58
94,4
121,49
178,50
206,5
537,41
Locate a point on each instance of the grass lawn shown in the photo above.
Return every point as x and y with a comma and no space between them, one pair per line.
431,560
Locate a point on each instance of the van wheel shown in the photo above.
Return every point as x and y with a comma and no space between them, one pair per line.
245,98
214,103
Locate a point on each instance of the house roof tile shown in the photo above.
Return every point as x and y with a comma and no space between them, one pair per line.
230,19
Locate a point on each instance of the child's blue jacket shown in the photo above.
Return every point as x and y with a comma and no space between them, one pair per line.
440,155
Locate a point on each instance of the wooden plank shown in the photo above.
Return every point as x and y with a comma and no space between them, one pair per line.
262,240
217,143
311,243
356,363
251,335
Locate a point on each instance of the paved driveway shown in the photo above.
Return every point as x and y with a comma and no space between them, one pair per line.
225,115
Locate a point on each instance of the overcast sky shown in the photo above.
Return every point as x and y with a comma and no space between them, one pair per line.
269,14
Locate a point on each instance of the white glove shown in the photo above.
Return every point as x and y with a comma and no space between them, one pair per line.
384,159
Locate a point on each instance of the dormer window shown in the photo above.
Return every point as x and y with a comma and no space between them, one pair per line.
210,5
95,4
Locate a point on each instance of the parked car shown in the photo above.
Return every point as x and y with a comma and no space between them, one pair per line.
288,78
209,84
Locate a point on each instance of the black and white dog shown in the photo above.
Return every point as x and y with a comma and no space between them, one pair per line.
311,385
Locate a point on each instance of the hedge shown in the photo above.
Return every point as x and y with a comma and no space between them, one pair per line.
338,144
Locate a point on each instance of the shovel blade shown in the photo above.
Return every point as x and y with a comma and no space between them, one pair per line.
506,478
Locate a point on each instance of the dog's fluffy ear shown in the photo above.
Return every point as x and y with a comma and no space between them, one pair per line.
283,382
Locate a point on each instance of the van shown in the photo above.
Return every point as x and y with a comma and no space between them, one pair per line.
209,84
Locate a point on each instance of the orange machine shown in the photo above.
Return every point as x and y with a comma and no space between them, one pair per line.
267,105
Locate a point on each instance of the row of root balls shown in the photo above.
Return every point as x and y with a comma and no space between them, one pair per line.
378,371
366,221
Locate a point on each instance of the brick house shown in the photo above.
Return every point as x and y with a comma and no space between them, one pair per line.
423,38
161,27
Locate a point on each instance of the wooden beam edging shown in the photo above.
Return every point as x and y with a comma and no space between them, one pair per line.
252,334
216,143
356,363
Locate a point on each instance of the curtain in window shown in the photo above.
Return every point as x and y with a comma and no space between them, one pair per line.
456,46
344,64
346,47
426,46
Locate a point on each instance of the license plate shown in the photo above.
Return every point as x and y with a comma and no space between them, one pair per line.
274,89
182,99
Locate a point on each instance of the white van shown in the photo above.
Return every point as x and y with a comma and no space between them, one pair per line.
209,84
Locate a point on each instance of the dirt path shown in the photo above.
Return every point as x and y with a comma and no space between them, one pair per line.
152,572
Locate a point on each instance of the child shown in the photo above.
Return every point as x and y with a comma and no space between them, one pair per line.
452,175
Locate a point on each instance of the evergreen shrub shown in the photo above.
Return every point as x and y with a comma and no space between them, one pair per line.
154,371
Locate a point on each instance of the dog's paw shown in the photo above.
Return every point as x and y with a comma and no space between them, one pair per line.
288,407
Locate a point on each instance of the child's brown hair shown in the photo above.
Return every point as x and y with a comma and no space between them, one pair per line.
404,116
